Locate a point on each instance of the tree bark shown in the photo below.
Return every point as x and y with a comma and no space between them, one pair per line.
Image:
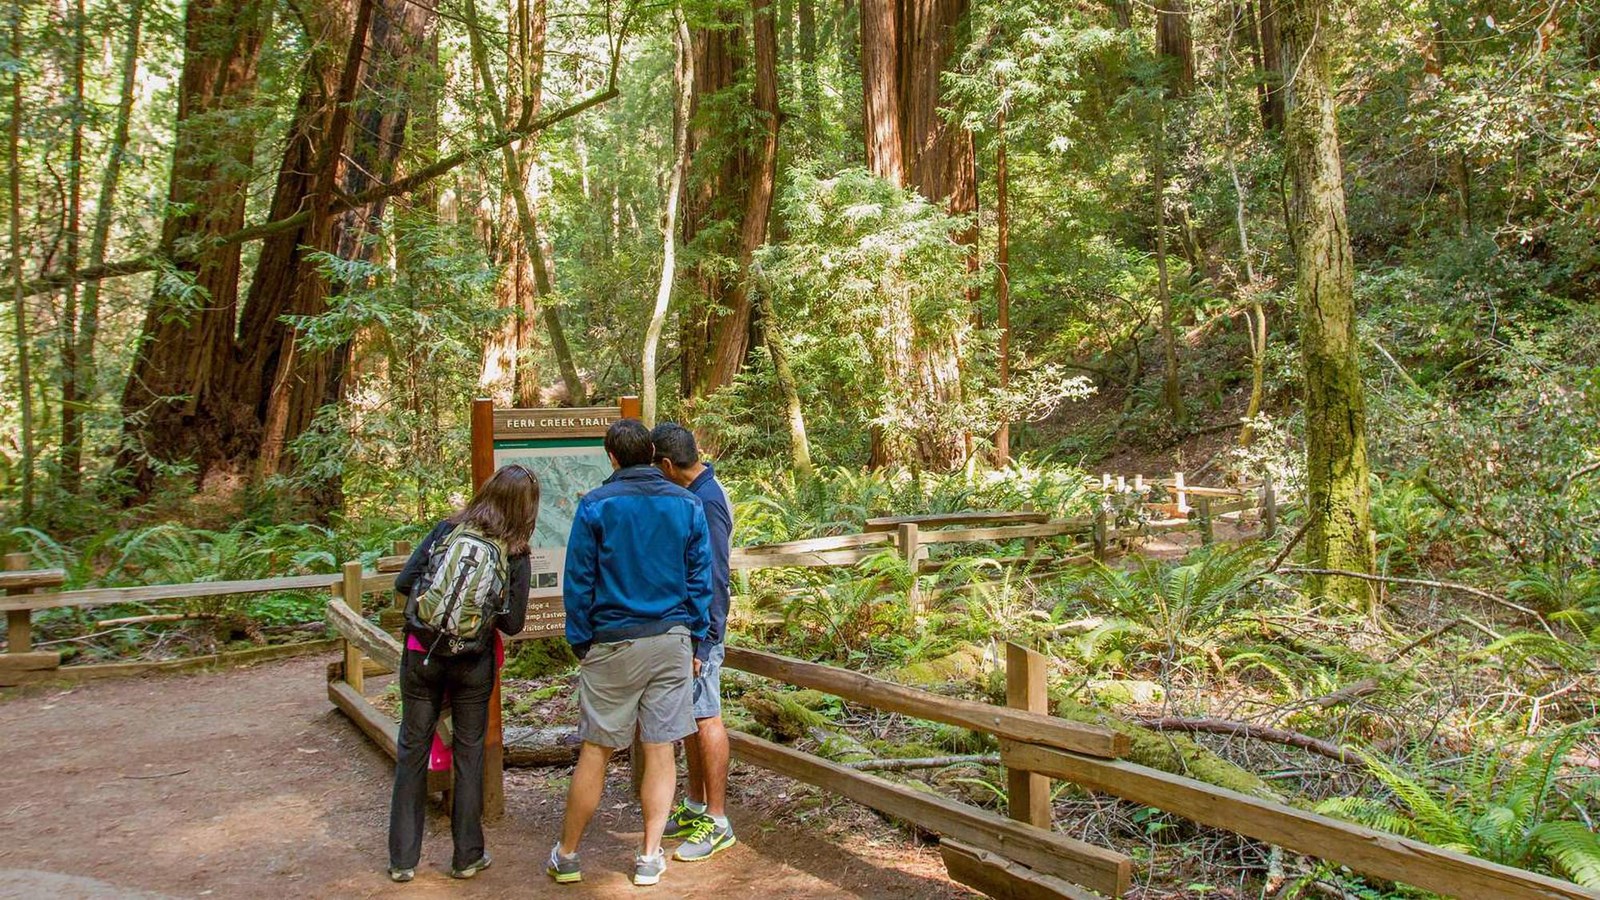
905,50
89,315
1002,278
1175,45
1271,65
14,167
732,341
810,81
177,397
1255,316
1171,391
71,457
297,382
1339,532
683,78
717,192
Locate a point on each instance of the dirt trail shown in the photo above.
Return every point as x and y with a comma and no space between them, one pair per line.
247,783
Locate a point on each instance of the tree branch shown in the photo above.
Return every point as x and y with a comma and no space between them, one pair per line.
152,260
1424,582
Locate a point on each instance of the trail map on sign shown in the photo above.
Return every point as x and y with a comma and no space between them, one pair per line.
567,470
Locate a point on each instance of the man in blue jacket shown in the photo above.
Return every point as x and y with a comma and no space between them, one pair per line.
701,819
637,590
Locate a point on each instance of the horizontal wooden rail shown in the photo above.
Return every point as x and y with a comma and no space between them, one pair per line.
154,592
28,579
373,641
384,731
999,877
1008,532
939,520
1366,850
891,697
741,559
816,544
1044,851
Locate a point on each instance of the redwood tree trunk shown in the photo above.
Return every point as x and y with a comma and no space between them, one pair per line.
905,49
716,192
732,343
1339,533
1271,64
176,405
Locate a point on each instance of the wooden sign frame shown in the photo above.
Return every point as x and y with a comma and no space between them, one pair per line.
582,426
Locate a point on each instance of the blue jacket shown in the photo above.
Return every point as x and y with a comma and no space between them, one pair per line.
719,520
638,561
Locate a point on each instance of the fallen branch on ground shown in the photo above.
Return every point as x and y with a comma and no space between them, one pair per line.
1425,582
923,762
158,617
1245,729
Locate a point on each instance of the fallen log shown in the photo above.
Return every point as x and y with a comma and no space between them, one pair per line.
1245,729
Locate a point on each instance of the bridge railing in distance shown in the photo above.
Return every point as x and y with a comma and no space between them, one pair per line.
1035,747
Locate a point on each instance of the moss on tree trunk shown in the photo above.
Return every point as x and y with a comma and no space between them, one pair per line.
1336,447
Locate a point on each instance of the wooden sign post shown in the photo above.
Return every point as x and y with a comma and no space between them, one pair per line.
564,448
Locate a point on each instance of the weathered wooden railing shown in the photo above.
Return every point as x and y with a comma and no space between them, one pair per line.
23,663
1030,859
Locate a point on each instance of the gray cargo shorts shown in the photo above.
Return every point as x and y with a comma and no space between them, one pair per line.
645,682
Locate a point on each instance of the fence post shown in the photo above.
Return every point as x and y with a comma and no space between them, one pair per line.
393,618
1269,507
910,550
1030,546
1203,506
19,622
1180,494
1102,536
1027,688
350,592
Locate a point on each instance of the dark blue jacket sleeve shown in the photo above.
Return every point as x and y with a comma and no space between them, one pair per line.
719,527
579,579
417,564
697,559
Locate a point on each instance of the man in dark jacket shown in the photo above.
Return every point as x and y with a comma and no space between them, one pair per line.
637,591
701,819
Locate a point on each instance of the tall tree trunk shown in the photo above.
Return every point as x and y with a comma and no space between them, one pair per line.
1122,13
788,389
732,341
810,80
1002,278
717,191
1175,45
177,406
1255,316
89,315
71,394
1339,532
682,79
18,295
1272,62
880,82
516,174
1171,390
905,49
299,386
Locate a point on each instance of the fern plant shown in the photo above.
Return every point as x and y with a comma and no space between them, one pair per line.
1512,811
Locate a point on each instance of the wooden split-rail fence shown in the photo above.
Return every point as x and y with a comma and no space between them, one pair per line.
1019,855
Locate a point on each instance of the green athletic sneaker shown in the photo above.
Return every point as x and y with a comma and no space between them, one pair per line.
682,821
564,869
471,870
706,839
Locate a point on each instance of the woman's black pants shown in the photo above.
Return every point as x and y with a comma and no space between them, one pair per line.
469,680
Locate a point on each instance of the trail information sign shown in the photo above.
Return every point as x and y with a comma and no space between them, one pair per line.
564,449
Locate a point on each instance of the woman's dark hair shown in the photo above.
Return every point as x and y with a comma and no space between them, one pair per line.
676,443
629,441
505,508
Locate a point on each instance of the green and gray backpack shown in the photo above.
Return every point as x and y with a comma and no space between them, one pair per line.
459,597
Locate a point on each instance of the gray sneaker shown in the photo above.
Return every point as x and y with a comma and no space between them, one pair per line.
466,872
649,869
400,875
704,840
564,869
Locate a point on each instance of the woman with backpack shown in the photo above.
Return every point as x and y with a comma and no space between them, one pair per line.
467,580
